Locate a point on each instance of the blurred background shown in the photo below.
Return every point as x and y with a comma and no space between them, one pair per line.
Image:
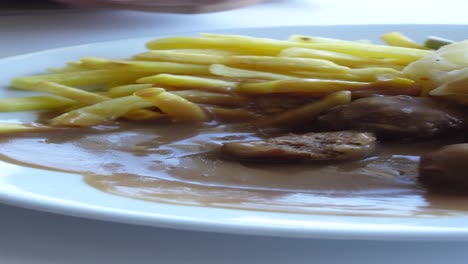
71,26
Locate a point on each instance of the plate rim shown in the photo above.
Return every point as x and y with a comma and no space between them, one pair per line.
100,213
62,207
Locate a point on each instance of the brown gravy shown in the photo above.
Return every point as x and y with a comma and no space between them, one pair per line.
178,164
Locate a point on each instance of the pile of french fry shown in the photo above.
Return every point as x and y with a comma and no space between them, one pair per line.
218,77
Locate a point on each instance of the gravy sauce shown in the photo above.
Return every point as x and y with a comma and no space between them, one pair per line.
180,164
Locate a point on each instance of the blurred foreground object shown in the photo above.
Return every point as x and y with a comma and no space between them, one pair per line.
168,6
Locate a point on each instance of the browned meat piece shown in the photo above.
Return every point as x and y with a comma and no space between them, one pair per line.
445,170
328,146
396,116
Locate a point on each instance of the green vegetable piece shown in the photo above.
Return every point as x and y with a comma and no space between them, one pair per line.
436,42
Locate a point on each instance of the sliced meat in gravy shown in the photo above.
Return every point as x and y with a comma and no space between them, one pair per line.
446,169
397,116
328,146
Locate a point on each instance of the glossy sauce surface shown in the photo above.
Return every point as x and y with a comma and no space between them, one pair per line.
180,164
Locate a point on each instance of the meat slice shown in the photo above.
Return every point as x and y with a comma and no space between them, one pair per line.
397,116
328,146
446,169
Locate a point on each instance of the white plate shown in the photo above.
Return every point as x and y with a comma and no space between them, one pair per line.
67,194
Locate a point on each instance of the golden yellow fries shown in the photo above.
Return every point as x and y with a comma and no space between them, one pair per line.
306,86
173,105
284,64
78,78
100,113
34,103
71,93
178,56
399,40
125,90
144,66
12,128
188,82
344,59
216,76
223,70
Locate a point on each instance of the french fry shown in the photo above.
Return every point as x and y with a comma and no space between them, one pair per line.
393,83
315,39
344,59
374,73
143,115
217,52
307,112
14,128
202,97
145,66
307,86
88,98
209,43
323,75
397,39
360,74
401,55
188,82
125,90
195,96
173,105
177,56
100,113
284,64
71,93
271,47
395,86
226,71
34,103
236,43
76,79
196,42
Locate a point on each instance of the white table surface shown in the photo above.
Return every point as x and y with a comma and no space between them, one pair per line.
28,236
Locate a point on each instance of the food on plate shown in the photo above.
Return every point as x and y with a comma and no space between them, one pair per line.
399,40
444,170
443,73
433,42
188,119
327,146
